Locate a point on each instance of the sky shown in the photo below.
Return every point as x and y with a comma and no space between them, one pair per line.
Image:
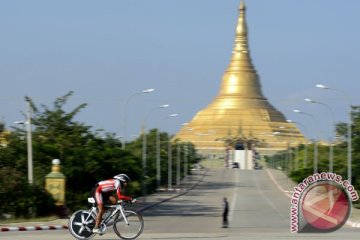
106,51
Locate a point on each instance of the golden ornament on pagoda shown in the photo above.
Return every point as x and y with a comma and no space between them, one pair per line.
240,111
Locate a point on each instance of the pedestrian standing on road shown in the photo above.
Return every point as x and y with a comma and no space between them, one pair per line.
225,213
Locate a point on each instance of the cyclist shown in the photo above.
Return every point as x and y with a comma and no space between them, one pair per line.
104,190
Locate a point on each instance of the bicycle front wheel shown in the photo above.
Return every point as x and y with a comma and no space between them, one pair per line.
131,228
81,224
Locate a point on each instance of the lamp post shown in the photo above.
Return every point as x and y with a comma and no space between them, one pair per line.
170,156
178,153
186,153
306,147
289,150
293,132
286,158
331,149
349,148
169,166
186,160
158,161
125,111
29,140
29,148
27,127
315,143
144,142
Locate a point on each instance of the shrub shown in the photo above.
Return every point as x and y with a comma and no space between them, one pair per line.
20,199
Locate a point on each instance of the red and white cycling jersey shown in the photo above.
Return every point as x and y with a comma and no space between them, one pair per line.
108,186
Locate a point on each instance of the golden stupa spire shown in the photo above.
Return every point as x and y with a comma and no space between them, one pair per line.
241,41
240,104
234,81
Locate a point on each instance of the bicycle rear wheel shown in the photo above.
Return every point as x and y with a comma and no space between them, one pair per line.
130,230
81,225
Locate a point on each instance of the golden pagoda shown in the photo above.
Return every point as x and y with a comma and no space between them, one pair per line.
240,112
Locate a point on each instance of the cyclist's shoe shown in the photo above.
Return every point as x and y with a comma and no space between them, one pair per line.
97,230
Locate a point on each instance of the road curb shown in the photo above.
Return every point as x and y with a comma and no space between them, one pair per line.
33,228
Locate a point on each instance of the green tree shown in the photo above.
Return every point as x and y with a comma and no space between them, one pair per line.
86,156
356,146
165,139
340,154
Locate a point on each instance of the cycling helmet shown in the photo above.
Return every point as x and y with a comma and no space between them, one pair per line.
123,178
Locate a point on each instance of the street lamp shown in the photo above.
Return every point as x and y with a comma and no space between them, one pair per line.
306,147
331,150
290,150
178,153
27,123
144,141
125,110
349,148
169,158
315,141
20,123
158,160
286,158
187,150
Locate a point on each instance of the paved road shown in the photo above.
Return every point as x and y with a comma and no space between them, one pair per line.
258,210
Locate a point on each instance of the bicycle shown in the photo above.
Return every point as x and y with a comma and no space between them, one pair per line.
127,224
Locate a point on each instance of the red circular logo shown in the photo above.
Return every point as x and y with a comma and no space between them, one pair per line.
326,206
